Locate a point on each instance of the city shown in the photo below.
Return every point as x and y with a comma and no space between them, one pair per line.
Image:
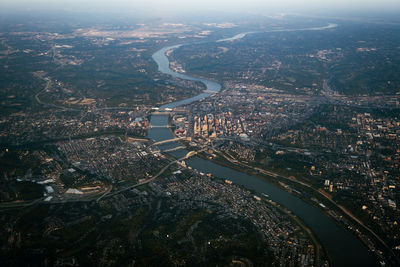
254,141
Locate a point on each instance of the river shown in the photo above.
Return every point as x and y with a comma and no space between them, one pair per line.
343,248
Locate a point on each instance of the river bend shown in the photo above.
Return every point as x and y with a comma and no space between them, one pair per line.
343,248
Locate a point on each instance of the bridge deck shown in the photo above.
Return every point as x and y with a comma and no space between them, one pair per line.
168,141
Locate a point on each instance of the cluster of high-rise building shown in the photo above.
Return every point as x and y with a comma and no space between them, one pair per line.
211,126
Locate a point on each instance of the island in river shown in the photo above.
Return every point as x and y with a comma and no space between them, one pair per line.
86,158
335,240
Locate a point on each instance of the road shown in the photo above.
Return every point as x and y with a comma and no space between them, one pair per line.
48,104
108,194
341,208
168,141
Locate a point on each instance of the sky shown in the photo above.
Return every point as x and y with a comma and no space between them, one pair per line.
159,7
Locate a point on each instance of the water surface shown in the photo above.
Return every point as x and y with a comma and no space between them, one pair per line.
343,248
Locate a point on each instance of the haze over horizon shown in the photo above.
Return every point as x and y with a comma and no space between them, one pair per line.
173,7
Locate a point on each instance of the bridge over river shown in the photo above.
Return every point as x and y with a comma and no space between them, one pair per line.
168,141
342,247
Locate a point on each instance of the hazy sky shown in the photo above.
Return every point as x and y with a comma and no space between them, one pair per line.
176,6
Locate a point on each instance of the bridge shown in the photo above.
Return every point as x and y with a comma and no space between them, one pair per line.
161,112
181,110
191,153
108,193
174,149
160,126
168,141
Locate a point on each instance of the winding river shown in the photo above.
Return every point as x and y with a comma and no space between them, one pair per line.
343,248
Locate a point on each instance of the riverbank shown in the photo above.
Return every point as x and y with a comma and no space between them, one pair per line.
336,241
314,198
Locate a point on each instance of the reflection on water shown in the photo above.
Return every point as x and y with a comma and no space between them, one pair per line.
343,248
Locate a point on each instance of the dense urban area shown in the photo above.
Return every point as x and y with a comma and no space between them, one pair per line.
82,182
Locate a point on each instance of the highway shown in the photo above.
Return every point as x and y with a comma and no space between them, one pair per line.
108,194
341,208
48,104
